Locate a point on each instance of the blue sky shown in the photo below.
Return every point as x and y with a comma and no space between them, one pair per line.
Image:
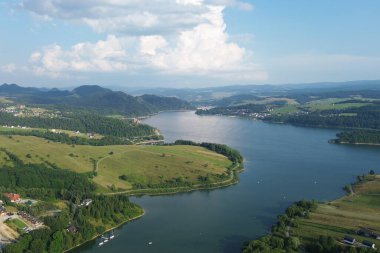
188,43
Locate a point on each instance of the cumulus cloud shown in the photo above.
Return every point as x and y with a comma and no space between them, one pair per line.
130,16
178,37
102,56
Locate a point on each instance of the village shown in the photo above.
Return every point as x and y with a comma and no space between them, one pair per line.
21,110
14,222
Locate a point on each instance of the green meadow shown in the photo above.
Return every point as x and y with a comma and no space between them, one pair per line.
121,166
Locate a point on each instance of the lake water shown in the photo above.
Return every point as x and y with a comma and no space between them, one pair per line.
283,164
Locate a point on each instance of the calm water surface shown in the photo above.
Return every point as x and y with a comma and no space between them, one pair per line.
283,164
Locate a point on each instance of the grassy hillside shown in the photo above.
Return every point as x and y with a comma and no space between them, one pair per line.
345,215
124,167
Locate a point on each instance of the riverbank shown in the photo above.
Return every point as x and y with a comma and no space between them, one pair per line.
356,215
108,230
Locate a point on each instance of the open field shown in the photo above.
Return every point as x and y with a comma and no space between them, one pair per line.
4,100
346,215
331,104
140,164
16,224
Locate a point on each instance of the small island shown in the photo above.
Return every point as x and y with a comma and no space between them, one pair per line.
349,224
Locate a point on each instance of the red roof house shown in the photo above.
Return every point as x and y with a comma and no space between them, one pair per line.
13,197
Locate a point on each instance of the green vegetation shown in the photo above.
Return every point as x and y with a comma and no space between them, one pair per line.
142,167
63,190
16,224
82,122
316,228
358,137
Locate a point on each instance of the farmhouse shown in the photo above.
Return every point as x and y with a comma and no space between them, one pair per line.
13,197
349,240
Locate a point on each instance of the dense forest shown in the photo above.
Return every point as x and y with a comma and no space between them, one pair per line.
83,122
234,110
358,137
45,183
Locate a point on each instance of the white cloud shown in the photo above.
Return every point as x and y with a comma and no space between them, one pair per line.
150,44
103,56
130,16
173,37
8,68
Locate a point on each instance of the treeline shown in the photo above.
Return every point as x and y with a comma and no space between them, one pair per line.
232,154
280,240
76,225
362,117
71,140
85,123
40,180
359,136
234,110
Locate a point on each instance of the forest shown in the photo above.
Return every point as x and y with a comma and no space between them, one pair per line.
83,122
55,184
358,137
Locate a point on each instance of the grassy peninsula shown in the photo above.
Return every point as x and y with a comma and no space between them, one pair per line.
308,226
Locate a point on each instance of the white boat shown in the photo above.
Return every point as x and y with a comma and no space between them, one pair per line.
105,240
150,243
112,236
101,243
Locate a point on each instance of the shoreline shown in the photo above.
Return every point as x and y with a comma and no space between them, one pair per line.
108,230
232,181
356,143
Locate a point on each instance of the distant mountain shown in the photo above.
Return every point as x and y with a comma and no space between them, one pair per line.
96,98
202,95
8,89
165,103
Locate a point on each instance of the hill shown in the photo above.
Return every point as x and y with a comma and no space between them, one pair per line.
93,98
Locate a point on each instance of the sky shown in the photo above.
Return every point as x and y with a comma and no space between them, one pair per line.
187,43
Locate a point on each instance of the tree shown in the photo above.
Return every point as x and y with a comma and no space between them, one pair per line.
56,245
372,172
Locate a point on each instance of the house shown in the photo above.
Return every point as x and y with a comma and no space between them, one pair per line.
369,244
368,233
72,229
86,202
13,197
349,240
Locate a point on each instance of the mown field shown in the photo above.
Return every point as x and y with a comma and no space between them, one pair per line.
346,215
139,164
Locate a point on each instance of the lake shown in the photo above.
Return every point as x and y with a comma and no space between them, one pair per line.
283,164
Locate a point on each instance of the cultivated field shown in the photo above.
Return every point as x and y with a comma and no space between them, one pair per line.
346,215
139,164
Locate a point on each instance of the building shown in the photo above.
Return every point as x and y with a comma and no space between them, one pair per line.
86,202
13,197
369,244
72,229
349,240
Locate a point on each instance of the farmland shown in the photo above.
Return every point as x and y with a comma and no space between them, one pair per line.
346,215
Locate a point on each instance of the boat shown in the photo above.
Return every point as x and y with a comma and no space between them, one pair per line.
150,243
112,236
101,243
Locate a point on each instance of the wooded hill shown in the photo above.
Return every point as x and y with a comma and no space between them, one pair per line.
93,98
